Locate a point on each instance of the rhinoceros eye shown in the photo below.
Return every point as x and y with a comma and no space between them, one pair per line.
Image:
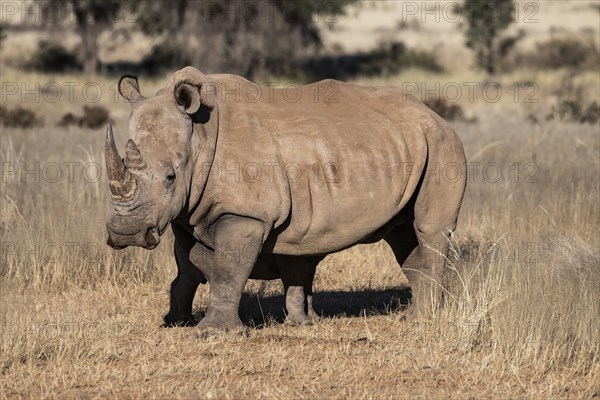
170,179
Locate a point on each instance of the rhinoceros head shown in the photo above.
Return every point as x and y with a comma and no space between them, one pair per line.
151,184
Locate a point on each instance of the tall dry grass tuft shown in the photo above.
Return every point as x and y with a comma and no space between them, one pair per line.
532,308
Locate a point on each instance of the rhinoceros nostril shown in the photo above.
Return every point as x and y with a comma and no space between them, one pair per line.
152,237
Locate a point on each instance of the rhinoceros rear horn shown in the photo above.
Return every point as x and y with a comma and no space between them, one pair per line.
133,157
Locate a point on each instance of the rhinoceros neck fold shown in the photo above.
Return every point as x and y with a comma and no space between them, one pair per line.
203,161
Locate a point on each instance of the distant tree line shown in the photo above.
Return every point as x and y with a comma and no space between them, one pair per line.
280,37
242,36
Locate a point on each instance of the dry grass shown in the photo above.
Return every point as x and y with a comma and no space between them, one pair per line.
519,320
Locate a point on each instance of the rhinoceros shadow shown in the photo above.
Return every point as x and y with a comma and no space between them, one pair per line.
258,311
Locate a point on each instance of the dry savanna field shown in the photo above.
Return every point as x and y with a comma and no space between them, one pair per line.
519,318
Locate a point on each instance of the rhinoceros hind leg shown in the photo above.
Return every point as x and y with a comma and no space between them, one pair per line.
421,247
294,303
311,311
404,244
421,255
424,269
297,274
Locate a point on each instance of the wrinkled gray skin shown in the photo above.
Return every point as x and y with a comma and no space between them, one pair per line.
266,188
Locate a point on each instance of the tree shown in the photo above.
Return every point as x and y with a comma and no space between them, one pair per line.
487,19
92,18
239,36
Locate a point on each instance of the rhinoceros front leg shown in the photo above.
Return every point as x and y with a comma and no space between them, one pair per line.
297,274
183,287
237,243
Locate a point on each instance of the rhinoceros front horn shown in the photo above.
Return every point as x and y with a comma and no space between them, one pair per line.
115,169
121,181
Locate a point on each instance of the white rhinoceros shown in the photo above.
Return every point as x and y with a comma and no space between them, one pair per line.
263,182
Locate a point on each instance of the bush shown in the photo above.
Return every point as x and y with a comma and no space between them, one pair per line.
592,114
53,57
450,112
573,111
164,57
565,52
388,59
19,117
68,119
94,117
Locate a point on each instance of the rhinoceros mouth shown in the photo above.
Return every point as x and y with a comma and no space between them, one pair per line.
112,244
147,238
123,230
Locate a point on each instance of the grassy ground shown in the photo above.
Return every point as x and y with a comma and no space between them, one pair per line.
519,320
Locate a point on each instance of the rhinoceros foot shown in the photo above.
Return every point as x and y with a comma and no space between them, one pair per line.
301,319
415,314
213,332
214,327
175,322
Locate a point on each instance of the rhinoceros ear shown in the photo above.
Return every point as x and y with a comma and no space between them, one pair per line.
187,97
129,88
190,95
